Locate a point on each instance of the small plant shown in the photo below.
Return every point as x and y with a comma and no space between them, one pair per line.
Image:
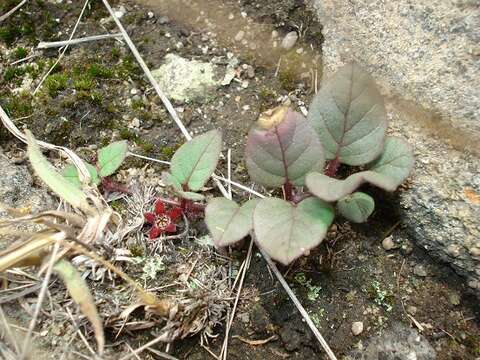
346,125
162,220
109,160
55,83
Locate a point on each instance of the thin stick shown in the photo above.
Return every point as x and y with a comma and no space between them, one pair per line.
148,158
299,306
229,173
41,296
23,60
54,44
64,49
147,72
8,331
149,344
9,13
223,353
82,337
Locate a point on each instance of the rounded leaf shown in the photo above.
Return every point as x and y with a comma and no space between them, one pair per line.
227,221
349,115
286,231
195,161
175,185
387,172
286,152
356,207
111,157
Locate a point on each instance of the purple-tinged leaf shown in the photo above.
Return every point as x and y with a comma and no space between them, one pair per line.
356,207
194,162
283,148
286,231
349,116
387,172
228,222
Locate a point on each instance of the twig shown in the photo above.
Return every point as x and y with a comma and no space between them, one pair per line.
62,53
23,60
8,331
299,306
223,353
9,13
147,72
41,296
229,173
158,339
82,337
53,44
148,158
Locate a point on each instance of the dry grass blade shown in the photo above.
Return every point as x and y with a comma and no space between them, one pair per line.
63,188
12,11
52,44
80,293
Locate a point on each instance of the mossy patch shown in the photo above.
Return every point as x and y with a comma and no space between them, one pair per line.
56,83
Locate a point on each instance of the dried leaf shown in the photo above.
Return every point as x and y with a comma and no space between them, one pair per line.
194,162
286,231
227,221
349,115
356,207
284,152
80,293
111,157
387,172
57,183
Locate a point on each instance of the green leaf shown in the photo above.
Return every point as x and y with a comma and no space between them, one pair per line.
194,162
356,207
175,185
286,231
228,222
80,293
349,115
283,153
387,172
49,175
111,157
70,172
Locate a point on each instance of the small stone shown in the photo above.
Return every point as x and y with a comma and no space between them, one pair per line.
163,20
412,310
150,15
245,84
274,34
134,91
239,35
119,12
407,248
250,72
289,40
454,299
388,243
453,250
475,251
419,270
357,328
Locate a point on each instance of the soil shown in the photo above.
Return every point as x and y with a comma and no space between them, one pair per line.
89,102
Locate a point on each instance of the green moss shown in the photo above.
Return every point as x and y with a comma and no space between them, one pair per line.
19,105
96,98
20,53
12,73
146,146
56,83
168,151
127,134
8,34
289,71
115,53
136,250
100,71
83,83
137,104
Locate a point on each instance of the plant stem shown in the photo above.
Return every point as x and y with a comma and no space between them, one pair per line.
332,167
288,191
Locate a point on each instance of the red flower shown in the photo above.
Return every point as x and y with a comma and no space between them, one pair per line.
162,220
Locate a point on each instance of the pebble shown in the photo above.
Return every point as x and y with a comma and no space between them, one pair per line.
163,20
239,35
388,243
475,251
419,270
289,40
274,34
454,299
134,91
412,310
120,12
250,72
357,328
453,250
150,15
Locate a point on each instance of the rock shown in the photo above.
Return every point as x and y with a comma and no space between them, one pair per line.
239,36
388,243
412,310
120,11
289,40
17,191
185,80
454,298
357,328
398,343
433,103
419,270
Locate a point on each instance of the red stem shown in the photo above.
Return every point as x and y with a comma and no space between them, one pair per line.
288,191
332,167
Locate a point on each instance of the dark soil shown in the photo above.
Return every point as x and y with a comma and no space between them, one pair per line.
349,278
